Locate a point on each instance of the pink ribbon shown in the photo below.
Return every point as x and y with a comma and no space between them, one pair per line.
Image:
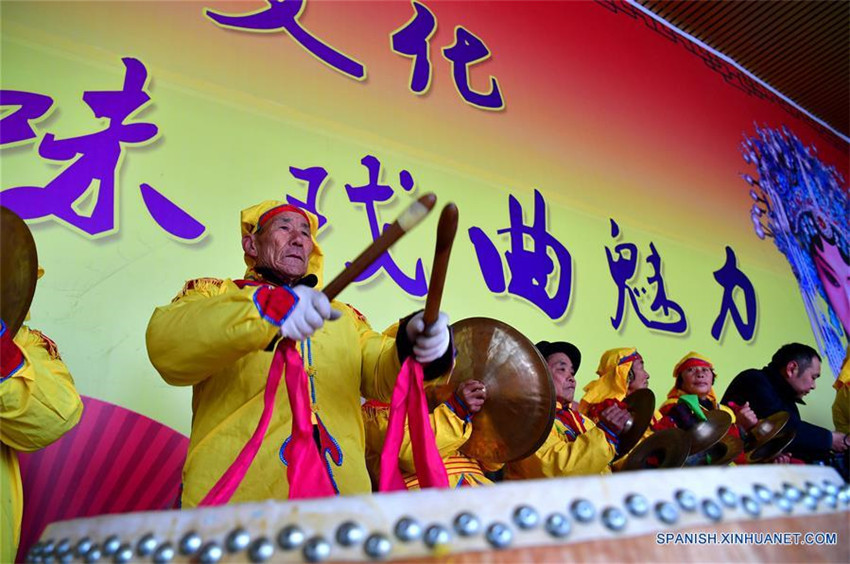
408,402
305,472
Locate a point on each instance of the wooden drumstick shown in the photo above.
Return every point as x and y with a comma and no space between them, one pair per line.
446,230
406,221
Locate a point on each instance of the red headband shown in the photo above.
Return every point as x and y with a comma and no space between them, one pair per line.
690,363
630,358
278,210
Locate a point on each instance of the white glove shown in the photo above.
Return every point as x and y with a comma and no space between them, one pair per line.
429,343
308,315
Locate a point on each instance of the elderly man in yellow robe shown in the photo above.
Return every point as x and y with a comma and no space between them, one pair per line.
38,404
218,336
575,445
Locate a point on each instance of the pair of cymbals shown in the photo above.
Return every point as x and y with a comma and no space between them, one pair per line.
18,269
769,437
671,448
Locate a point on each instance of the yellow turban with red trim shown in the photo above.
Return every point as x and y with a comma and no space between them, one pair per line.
613,381
250,218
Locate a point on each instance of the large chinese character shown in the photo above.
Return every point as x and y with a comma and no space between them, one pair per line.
730,277
531,269
16,127
369,195
282,15
623,268
411,40
83,193
315,177
465,52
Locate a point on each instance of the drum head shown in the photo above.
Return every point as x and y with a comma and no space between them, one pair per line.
517,416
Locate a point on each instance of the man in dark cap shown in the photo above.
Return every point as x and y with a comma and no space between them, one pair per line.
575,446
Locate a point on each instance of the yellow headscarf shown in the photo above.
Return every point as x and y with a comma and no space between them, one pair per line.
251,217
675,392
613,381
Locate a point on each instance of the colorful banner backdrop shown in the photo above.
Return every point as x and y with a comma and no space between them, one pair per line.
618,184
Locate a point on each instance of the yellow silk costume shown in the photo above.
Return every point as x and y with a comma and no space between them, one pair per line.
450,432
38,404
215,336
588,453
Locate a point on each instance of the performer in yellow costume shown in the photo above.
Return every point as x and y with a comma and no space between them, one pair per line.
695,375
218,336
452,423
841,405
575,446
38,404
621,372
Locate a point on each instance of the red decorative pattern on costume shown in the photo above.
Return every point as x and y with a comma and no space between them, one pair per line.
573,420
11,357
48,344
459,408
375,404
274,303
194,283
597,408
359,315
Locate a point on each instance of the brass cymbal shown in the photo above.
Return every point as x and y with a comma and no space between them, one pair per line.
773,446
641,405
705,434
520,408
725,450
765,430
668,448
19,263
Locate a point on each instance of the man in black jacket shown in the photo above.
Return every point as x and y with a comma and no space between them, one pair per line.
780,386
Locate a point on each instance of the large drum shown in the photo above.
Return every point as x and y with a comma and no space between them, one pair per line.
752,513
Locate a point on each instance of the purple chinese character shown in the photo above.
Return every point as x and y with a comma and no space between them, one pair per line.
368,195
466,51
530,269
730,277
93,170
623,268
16,127
315,177
283,16
412,41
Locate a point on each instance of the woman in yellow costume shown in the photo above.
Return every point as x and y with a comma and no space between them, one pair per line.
693,395
38,404
575,446
218,336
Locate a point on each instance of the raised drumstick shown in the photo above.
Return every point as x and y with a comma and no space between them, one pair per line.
446,230
406,221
